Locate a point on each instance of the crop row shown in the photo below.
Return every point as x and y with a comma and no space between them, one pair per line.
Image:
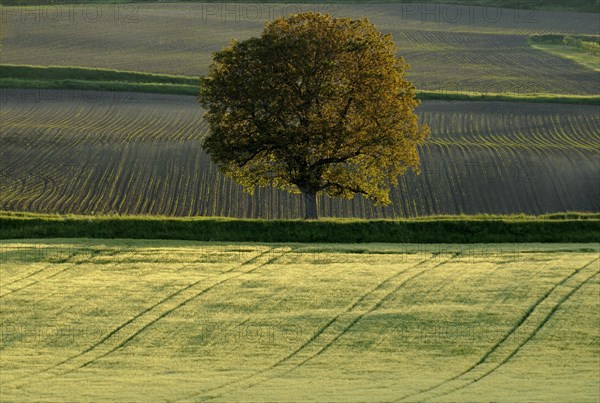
455,61
144,157
475,54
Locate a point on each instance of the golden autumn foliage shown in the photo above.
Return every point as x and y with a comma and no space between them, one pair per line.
316,104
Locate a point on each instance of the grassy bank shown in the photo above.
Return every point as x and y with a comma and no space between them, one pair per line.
69,84
80,78
509,97
93,79
579,57
57,73
573,227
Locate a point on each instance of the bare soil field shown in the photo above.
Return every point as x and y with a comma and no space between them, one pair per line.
131,153
449,47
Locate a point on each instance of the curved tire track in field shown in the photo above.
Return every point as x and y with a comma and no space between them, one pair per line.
372,309
35,281
26,276
129,329
506,348
435,291
43,270
333,330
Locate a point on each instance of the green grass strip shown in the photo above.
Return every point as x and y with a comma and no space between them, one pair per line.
584,59
562,228
557,39
57,73
566,46
184,89
154,88
82,78
509,97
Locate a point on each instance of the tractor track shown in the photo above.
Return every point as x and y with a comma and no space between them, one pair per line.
496,357
44,270
128,330
332,331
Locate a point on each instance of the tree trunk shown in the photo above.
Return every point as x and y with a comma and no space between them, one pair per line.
310,205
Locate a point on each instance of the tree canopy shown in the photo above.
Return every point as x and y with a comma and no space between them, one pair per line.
314,105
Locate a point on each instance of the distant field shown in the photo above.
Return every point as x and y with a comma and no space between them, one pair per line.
127,153
161,320
575,50
591,6
585,59
450,48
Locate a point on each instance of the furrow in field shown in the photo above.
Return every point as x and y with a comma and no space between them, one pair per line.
136,157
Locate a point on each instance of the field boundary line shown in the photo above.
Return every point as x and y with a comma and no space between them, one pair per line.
457,382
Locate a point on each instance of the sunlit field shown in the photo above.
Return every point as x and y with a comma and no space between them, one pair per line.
170,320
135,268
89,152
131,153
449,47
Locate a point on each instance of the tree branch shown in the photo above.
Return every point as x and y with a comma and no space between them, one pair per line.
355,189
336,160
247,160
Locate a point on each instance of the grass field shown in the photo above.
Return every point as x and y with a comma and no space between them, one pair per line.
128,153
57,73
132,270
450,48
129,320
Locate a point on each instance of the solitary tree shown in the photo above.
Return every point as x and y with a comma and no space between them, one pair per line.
316,104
